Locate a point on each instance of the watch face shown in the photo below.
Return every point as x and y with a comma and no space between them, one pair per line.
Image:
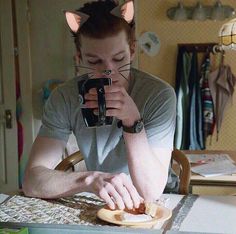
139,126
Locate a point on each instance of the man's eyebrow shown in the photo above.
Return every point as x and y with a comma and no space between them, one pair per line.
95,56
91,55
121,52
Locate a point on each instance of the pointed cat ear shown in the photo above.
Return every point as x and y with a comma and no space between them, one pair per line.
75,19
125,11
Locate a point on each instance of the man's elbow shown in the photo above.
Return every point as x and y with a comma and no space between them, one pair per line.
27,188
155,189
154,193
28,185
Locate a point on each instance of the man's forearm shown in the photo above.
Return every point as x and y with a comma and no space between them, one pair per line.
46,183
149,175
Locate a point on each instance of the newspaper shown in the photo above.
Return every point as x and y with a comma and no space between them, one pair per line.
212,164
207,158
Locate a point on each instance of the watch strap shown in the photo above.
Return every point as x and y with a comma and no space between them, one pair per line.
136,128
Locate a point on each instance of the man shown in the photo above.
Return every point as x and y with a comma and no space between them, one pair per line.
127,164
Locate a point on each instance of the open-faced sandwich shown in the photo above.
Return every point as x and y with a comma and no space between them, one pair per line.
146,211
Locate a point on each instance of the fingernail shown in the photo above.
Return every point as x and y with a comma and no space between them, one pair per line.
130,206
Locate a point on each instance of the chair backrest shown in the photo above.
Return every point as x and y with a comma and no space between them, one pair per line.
178,156
70,161
183,169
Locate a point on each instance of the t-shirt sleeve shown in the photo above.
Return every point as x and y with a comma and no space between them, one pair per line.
160,117
55,120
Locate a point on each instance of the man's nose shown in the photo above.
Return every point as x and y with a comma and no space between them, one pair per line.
107,72
108,69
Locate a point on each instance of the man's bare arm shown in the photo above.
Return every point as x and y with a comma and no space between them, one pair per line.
148,166
41,180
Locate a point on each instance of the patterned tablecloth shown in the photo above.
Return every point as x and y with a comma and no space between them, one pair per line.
80,209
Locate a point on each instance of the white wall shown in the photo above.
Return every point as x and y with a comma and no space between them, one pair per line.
52,47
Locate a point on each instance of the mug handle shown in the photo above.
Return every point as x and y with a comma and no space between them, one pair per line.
101,105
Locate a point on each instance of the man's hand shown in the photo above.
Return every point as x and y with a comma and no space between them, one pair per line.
117,190
118,103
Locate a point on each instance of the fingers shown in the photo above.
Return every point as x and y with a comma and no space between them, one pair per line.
107,198
115,100
91,97
109,89
114,96
108,96
136,198
115,89
110,195
124,192
109,104
118,191
118,103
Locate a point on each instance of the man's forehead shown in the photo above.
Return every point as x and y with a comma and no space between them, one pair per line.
111,45
116,37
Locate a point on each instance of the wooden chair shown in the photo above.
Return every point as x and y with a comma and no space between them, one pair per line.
70,161
183,169
178,156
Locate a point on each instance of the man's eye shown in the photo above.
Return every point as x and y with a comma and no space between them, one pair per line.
118,60
94,62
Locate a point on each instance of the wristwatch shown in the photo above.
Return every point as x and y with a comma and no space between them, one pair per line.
136,128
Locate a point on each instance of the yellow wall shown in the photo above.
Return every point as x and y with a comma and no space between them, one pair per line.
152,17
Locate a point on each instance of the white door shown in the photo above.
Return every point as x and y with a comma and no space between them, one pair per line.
8,128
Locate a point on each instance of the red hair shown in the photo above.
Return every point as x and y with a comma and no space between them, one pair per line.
102,23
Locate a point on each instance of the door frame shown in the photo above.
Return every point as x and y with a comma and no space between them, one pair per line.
9,159
24,53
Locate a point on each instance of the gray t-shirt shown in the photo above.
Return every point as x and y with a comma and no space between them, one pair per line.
103,148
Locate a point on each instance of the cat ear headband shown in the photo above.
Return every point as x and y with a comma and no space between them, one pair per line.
75,19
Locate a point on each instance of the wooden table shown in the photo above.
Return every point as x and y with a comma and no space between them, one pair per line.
217,185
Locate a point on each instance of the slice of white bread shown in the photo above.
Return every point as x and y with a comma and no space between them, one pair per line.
128,217
145,212
151,208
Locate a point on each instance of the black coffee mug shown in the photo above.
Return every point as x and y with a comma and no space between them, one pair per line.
90,119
